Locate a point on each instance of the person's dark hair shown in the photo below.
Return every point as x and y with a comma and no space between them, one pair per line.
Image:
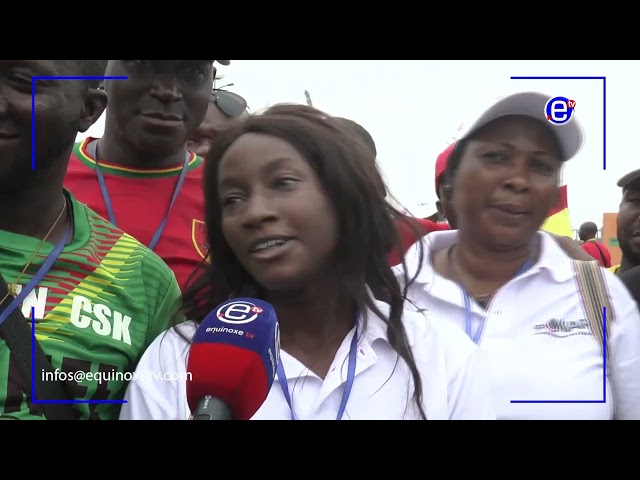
361,132
403,220
589,228
366,227
92,68
362,135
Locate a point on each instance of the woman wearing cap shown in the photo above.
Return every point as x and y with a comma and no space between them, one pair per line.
446,210
511,287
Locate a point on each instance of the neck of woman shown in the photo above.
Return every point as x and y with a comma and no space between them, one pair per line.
484,269
313,319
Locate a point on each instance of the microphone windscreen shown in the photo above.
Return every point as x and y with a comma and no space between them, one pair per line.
234,355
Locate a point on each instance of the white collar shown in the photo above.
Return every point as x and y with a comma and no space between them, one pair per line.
376,328
552,261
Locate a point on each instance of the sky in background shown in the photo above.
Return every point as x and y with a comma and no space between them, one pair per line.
414,108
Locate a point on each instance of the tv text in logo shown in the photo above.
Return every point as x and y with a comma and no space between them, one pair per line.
559,110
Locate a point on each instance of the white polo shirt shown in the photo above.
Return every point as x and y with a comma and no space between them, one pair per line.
536,340
454,384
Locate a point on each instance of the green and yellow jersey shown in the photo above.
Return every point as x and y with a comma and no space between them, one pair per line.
106,298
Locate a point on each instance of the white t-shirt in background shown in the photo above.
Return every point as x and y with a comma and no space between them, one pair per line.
536,340
454,384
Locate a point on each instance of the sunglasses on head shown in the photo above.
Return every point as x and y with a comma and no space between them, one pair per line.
230,103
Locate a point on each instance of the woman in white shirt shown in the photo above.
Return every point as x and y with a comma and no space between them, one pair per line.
295,216
511,288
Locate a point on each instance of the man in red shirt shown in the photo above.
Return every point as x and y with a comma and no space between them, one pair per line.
140,175
592,246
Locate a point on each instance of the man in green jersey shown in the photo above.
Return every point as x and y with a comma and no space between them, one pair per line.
105,297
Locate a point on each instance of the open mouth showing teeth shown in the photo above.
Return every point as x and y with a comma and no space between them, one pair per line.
268,245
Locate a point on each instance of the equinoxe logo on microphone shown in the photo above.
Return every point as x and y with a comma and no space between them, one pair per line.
224,330
238,313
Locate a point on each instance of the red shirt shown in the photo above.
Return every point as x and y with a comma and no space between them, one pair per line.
598,251
140,198
408,238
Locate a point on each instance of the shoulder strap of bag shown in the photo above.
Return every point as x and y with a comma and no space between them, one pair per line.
16,332
595,295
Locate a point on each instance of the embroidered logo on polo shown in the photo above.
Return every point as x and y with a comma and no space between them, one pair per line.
563,328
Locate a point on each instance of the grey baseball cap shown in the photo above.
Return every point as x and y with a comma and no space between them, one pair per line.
531,104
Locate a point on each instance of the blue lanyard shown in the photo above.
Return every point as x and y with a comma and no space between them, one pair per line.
351,375
44,269
467,307
163,223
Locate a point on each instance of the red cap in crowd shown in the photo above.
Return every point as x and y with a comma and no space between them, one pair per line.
441,165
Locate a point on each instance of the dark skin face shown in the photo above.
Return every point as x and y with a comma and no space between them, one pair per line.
214,122
447,211
507,182
503,190
568,244
628,226
63,108
153,113
267,190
